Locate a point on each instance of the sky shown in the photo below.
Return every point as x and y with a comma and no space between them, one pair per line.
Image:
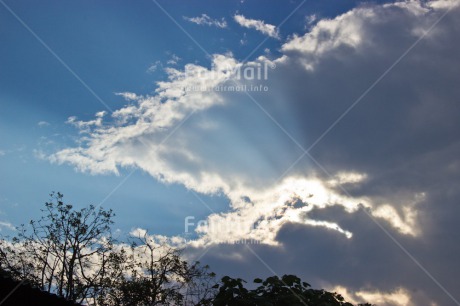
317,138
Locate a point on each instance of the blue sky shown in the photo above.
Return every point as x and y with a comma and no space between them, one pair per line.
353,146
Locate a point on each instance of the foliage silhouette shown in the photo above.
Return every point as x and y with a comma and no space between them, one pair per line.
274,291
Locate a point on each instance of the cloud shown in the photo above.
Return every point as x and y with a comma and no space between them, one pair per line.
153,67
173,60
398,297
394,157
85,126
206,20
310,19
244,41
258,25
128,96
43,123
7,225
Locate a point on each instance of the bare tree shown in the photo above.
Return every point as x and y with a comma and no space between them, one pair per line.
156,274
65,252
72,253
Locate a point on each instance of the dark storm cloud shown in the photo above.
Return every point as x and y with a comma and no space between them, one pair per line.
404,134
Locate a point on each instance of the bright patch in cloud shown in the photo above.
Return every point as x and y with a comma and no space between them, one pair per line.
397,297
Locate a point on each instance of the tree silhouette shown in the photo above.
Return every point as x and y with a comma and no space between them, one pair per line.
66,252
156,274
72,253
274,291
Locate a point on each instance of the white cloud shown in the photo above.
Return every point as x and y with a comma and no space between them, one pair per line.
258,25
7,225
153,67
128,96
310,19
206,20
348,178
39,154
43,123
85,126
244,41
138,232
2,153
149,122
400,297
173,60
330,34
259,214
